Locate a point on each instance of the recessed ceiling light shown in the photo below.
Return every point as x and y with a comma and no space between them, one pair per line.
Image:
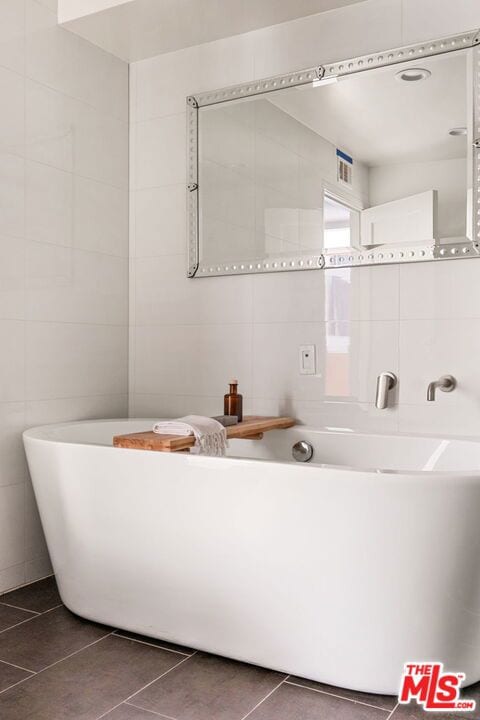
456,132
413,74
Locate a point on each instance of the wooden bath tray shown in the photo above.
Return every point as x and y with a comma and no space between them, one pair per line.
252,428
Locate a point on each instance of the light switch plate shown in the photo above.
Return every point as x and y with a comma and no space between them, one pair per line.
307,359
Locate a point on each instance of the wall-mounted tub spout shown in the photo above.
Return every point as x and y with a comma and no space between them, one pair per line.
446,383
385,382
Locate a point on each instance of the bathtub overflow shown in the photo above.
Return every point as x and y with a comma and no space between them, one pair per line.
302,451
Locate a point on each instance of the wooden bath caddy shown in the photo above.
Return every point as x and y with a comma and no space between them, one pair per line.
252,428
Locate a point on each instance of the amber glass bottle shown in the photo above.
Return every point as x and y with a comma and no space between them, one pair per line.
233,402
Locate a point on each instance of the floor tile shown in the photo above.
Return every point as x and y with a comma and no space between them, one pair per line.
88,684
290,701
153,641
128,712
387,702
39,596
12,616
10,675
48,638
206,687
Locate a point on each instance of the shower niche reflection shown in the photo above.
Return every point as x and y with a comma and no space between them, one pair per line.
342,165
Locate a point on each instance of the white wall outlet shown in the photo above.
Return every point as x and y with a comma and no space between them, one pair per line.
307,359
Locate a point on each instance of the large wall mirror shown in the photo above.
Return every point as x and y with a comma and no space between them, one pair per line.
368,161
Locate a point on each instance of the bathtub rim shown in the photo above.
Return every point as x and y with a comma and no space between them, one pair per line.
36,434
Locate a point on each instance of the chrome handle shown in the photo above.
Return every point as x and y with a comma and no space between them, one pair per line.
385,382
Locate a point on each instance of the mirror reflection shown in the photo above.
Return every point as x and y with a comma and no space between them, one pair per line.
376,158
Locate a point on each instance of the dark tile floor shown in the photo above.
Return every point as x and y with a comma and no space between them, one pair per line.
56,666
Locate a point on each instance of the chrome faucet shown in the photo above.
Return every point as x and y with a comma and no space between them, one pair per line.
446,383
385,382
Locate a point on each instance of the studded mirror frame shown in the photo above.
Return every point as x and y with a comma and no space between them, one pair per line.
329,259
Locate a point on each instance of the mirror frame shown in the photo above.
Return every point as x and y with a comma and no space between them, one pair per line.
379,256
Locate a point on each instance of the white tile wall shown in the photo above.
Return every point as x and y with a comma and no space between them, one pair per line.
63,252
12,35
419,321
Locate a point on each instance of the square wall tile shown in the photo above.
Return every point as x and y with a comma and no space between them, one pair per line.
438,290
69,285
100,217
100,145
159,221
64,61
289,296
12,35
12,117
431,348
160,157
162,83
276,373
46,412
12,360
440,418
51,53
12,524
165,295
38,568
374,293
332,415
12,577
50,126
71,135
49,204
349,357
13,466
12,191
12,278
170,406
192,359
61,356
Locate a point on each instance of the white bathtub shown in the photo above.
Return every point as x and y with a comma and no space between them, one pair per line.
339,570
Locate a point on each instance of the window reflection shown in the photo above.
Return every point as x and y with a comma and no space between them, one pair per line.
338,308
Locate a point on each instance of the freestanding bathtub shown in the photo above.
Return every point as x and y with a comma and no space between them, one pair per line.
339,570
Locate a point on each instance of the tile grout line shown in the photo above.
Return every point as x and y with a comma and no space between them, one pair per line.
19,682
125,700
265,698
340,697
22,622
145,642
59,661
36,615
26,77
391,714
55,607
16,607
27,158
153,712
19,667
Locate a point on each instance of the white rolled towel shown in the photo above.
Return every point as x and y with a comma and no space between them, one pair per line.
210,435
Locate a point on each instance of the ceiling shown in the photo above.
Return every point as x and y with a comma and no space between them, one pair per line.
137,29
380,120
